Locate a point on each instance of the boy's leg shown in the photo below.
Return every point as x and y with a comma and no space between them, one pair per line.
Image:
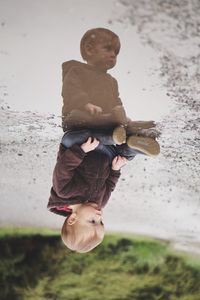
127,152
82,119
105,137
76,119
72,137
110,136
102,125
79,119
145,145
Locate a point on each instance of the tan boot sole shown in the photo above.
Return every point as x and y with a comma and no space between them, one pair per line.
145,145
119,135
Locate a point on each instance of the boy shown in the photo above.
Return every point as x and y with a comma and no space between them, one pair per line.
91,97
83,180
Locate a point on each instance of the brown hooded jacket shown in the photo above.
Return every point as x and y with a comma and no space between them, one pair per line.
84,84
81,177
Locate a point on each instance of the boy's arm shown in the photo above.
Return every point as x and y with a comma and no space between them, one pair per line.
116,92
119,105
117,163
67,162
110,185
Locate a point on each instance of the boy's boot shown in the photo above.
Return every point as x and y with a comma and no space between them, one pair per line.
143,128
146,145
137,125
153,133
119,135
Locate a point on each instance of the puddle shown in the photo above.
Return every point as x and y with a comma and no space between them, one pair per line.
31,70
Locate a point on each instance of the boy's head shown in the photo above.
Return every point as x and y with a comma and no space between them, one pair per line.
83,230
100,47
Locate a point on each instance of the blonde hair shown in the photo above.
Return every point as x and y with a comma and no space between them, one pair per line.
77,239
95,35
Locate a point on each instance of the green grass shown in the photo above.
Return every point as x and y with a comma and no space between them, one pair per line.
35,265
26,231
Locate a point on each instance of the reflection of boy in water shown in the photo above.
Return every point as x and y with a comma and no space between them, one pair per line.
83,180
91,97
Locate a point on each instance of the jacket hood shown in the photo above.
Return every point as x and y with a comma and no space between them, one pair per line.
67,65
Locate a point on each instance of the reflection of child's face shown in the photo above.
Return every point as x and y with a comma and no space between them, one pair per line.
104,54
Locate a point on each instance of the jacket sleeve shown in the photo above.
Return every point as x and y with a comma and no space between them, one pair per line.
67,162
110,185
73,93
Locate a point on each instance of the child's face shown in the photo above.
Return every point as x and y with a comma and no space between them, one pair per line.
104,54
89,215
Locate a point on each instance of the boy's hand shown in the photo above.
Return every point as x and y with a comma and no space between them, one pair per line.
93,109
118,162
90,144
